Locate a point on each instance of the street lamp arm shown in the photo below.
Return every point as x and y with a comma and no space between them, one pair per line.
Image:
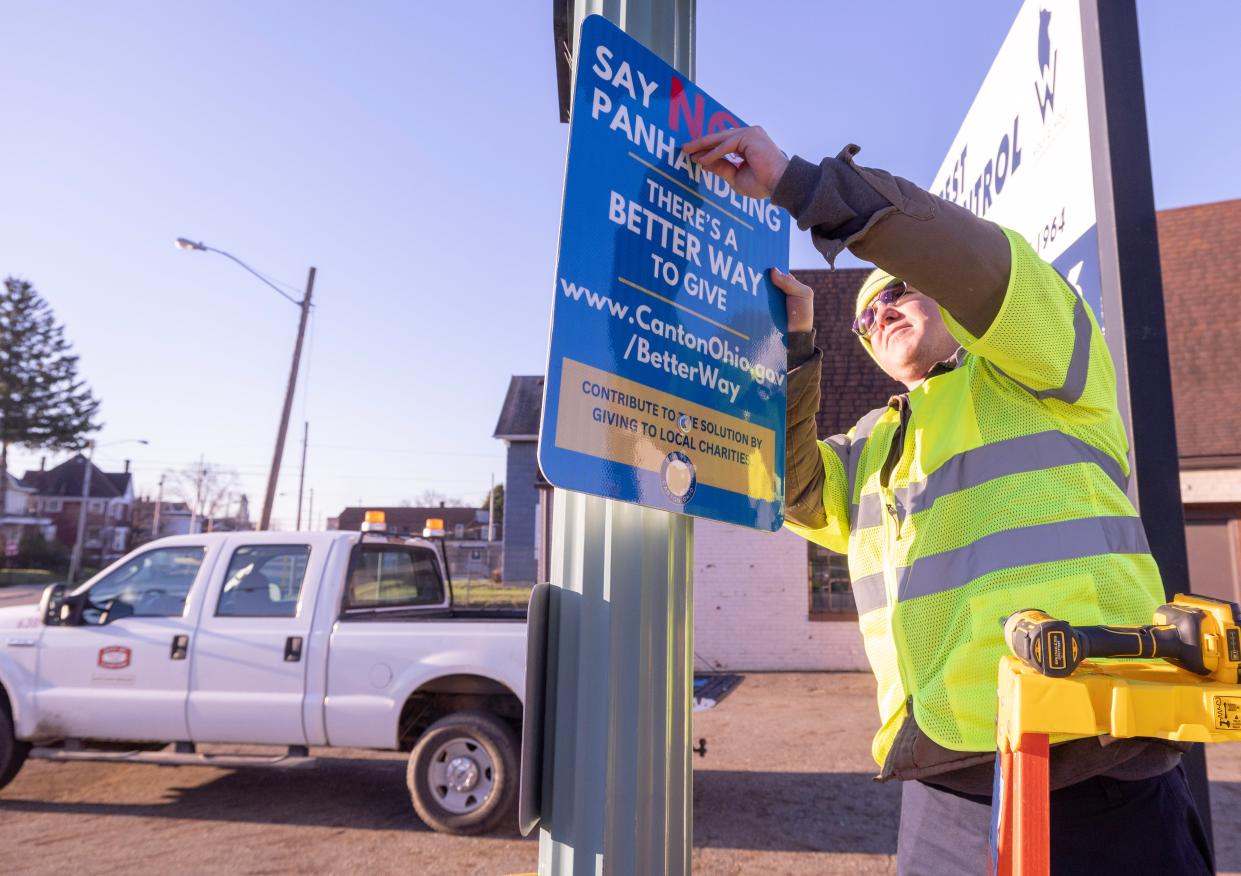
229,255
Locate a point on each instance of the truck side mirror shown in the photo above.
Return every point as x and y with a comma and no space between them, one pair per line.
49,604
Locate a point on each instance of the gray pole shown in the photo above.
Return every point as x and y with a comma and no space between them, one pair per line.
301,478
617,790
159,501
75,559
274,474
491,510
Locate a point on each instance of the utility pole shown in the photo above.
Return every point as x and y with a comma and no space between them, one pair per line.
198,496
491,510
301,479
274,474
159,500
75,559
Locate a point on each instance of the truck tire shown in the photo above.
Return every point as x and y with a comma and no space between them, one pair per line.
12,750
462,774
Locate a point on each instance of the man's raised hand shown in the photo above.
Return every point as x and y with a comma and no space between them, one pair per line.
761,162
798,300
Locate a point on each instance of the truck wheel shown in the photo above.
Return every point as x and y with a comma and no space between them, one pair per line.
12,750
462,774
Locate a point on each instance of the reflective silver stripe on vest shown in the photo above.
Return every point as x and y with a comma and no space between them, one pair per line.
868,593
868,512
1023,454
1079,363
1012,548
861,433
840,446
1020,455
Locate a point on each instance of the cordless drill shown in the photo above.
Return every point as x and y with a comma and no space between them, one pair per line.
1197,633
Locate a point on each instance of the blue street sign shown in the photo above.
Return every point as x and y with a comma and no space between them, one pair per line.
666,367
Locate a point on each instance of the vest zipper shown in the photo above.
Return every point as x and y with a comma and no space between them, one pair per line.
891,529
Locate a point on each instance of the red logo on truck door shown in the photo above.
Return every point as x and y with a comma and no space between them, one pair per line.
114,657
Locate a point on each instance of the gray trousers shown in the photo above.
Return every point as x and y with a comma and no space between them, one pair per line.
1099,827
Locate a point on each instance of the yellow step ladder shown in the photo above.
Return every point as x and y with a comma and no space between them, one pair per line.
1156,700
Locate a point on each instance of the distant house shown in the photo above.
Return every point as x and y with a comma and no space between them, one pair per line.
527,533
18,519
470,553
175,518
57,494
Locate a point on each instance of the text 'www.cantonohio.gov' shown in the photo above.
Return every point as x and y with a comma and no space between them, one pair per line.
639,348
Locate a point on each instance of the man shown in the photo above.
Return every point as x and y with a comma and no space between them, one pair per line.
996,483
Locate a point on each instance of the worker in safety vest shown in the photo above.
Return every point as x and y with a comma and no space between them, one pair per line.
996,483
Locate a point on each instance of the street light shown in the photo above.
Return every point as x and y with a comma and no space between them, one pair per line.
75,559
304,306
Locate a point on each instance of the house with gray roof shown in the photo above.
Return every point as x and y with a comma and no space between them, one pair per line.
527,494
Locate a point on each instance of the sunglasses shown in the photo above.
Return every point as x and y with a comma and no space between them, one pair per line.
890,294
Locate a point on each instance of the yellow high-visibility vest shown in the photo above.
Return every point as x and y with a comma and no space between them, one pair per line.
1007,491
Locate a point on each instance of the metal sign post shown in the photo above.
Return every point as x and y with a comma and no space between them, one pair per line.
664,399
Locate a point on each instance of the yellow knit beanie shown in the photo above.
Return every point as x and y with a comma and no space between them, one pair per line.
874,283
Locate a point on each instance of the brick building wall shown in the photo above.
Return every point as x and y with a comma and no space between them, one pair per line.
852,383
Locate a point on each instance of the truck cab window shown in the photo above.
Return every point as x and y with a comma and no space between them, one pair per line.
264,581
152,584
392,576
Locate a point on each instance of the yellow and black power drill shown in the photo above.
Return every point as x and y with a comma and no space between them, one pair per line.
1196,633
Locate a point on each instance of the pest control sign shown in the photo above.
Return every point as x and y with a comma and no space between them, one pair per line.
1022,157
666,366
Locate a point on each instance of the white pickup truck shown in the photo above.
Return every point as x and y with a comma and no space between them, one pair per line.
341,639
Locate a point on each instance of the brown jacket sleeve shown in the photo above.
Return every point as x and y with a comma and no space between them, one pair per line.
803,466
941,249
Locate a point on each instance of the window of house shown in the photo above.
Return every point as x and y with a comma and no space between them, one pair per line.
458,530
52,505
264,581
831,594
96,507
392,576
152,584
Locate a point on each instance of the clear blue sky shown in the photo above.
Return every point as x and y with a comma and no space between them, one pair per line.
411,151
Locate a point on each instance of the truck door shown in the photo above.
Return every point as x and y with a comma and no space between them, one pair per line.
123,672
248,675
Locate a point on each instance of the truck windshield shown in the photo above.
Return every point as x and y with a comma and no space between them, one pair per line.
393,576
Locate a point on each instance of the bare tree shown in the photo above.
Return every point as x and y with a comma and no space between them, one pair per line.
434,498
208,489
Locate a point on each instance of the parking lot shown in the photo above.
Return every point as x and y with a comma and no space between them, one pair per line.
785,787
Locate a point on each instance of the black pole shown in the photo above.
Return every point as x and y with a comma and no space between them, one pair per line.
1153,429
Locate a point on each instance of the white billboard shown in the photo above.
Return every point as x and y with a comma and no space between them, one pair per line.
1022,156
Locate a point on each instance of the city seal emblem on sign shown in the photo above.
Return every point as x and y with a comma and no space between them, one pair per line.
678,478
